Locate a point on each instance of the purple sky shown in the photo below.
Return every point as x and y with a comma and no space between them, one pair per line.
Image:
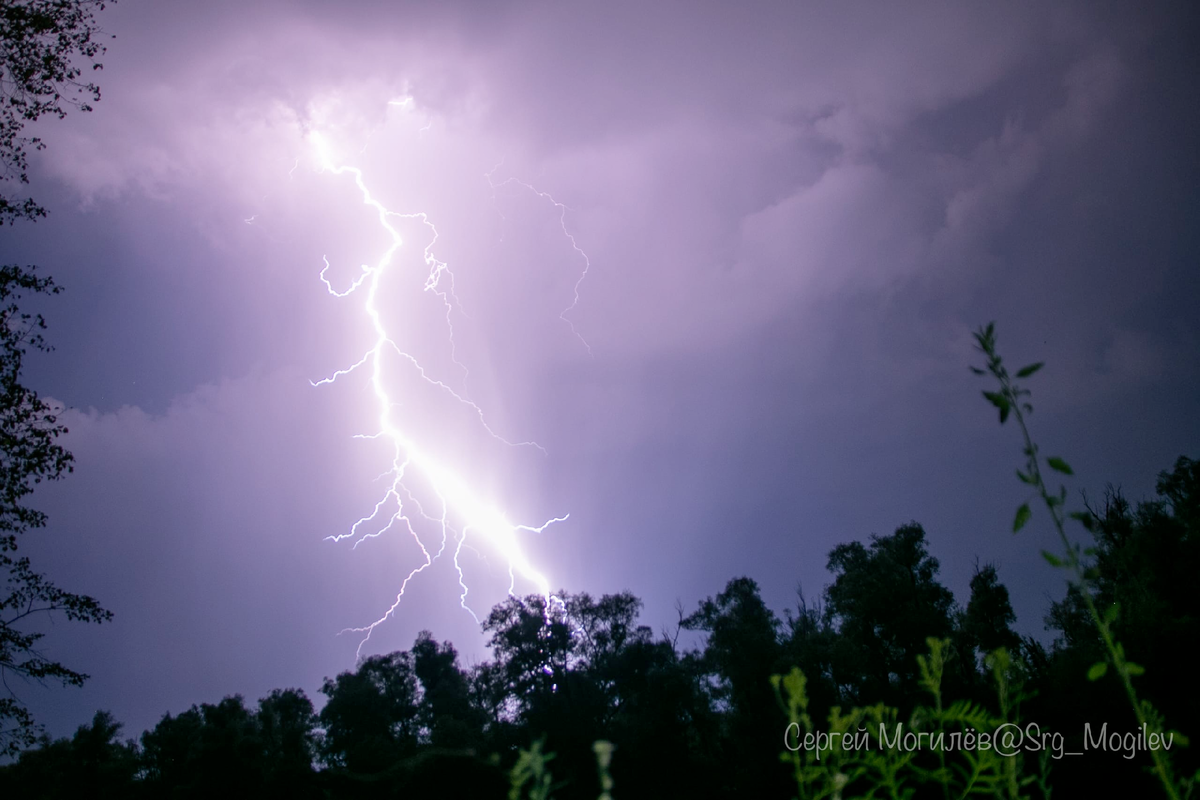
794,214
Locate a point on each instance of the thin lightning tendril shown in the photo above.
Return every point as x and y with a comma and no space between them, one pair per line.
478,519
562,222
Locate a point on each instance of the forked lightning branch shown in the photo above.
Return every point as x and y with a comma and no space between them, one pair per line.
461,515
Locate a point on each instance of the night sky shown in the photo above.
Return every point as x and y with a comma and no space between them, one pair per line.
792,216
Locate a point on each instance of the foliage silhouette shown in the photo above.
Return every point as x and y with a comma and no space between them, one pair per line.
40,41
371,716
741,650
39,76
884,602
29,454
447,717
92,763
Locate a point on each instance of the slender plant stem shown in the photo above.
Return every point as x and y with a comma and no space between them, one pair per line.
1054,504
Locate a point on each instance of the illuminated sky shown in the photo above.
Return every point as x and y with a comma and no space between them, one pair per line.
794,215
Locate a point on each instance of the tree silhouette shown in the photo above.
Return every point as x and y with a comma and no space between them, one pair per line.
29,454
549,658
371,716
287,729
884,602
39,43
702,723
93,763
532,647
447,715
741,651
39,76
809,644
986,623
661,714
208,750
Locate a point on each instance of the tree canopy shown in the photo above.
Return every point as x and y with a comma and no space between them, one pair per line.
41,45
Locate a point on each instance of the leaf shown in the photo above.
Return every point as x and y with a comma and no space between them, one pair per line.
977,370
1021,518
1059,465
1052,559
996,399
1134,669
1097,670
999,401
1110,613
1024,478
1025,372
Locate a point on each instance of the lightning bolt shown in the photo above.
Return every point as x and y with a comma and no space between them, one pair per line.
562,209
456,500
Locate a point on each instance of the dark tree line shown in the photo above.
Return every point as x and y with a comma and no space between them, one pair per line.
699,722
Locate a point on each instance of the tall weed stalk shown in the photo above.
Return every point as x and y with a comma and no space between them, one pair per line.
1011,400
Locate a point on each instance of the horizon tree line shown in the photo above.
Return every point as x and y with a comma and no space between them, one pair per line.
697,722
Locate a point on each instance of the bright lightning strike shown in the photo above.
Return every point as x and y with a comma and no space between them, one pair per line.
455,498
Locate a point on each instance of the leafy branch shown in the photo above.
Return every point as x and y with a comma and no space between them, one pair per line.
41,42
1010,400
